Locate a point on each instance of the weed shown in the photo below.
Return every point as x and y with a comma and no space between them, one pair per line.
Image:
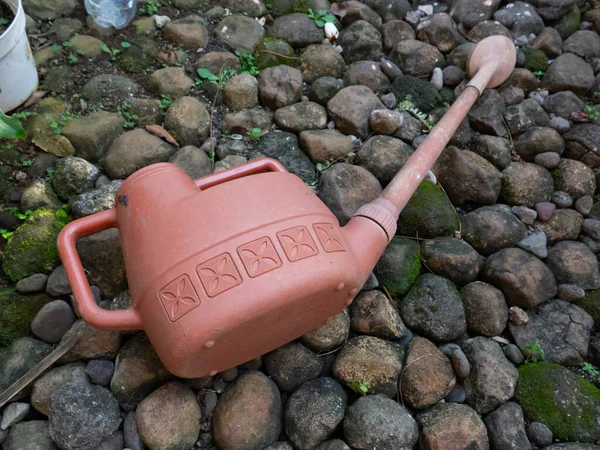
24,115
131,118
50,175
113,52
323,166
55,128
596,94
248,62
56,47
3,22
592,112
27,163
150,8
320,17
64,214
408,105
211,156
539,73
592,372
165,101
15,211
269,4
533,352
254,134
73,59
5,233
80,52
207,75
67,44
125,44
360,387
62,121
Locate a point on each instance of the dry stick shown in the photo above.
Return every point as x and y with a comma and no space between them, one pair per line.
277,54
512,144
212,112
37,370
408,365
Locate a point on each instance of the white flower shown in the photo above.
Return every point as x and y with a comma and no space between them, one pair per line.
331,31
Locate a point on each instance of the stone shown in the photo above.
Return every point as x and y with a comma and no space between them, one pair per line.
133,151
539,434
545,210
416,58
169,417
284,147
468,177
506,427
521,18
574,263
434,308
40,10
560,328
344,188
334,444
570,402
45,386
274,52
131,436
367,73
384,121
513,354
249,413
300,117
82,415
318,61
564,224
325,145
217,61
539,140
526,184
452,258
19,357
31,435
495,149
39,194
241,92
148,111
279,86
583,43
570,292
297,30
91,343
138,371
52,321
584,204
512,95
351,108
586,135
451,426
428,376
574,178
92,135
13,414
490,229
189,32
383,156
373,314
563,104
378,422
324,89
314,411
194,161
371,364
394,31
291,365
486,114
331,335
355,10
523,278
74,176
100,371
241,122
560,77
188,121
548,160
423,95
34,283
360,41
95,200
525,215
171,81
536,243
517,316
106,85
485,309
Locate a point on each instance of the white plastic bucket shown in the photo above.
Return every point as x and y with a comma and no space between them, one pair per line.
18,74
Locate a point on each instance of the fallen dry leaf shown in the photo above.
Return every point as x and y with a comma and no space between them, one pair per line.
339,9
34,98
579,117
160,132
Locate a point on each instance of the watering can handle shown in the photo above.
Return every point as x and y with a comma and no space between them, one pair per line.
250,168
128,319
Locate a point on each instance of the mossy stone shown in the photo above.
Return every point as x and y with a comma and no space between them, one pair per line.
399,266
32,248
595,212
535,59
16,313
139,56
58,79
447,95
591,304
428,214
266,57
423,94
6,180
568,404
569,23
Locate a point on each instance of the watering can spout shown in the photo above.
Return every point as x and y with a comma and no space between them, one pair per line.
490,64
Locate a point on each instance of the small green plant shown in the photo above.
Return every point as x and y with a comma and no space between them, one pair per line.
254,134
73,59
55,128
5,233
22,216
64,214
592,372
323,166
165,101
320,17
27,163
539,73
10,127
24,115
269,4
596,94
80,52
248,62
3,22
50,175
150,8
62,121
533,353
56,47
67,44
113,52
130,117
360,387
408,105
125,44
592,112
206,75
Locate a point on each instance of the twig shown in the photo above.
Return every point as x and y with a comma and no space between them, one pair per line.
406,366
330,352
512,144
277,54
391,300
212,112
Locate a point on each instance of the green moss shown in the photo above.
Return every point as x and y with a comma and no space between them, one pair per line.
423,94
140,56
32,248
265,49
569,405
399,266
6,180
535,59
16,313
557,176
447,95
428,214
591,304
569,23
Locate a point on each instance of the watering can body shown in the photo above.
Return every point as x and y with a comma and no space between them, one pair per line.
223,269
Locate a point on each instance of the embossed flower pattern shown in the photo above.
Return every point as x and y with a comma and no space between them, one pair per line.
179,297
218,274
259,256
328,237
297,243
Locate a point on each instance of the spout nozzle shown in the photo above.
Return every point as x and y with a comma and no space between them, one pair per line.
491,62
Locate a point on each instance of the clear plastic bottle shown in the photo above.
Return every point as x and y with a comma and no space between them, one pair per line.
111,13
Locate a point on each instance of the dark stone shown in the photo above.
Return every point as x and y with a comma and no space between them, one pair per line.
292,365
506,427
284,148
452,258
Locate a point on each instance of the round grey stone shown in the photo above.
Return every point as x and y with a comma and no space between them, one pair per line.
33,283
53,321
100,371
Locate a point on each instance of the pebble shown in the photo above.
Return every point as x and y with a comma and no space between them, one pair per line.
539,434
569,292
545,210
591,243
548,160
389,101
219,385
102,180
517,316
229,374
416,143
53,321
34,283
456,395
390,70
447,349
132,437
525,215
437,79
584,204
535,243
58,284
100,371
385,121
562,199
161,21
14,413
520,59
209,401
413,18
514,355
560,124
461,364
204,440
591,227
